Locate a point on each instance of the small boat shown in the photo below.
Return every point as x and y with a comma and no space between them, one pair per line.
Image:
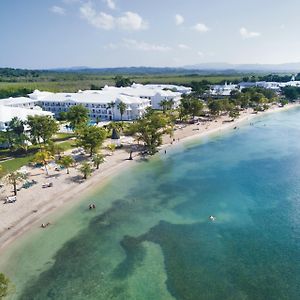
212,218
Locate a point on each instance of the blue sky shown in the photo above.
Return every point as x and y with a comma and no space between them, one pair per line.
111,33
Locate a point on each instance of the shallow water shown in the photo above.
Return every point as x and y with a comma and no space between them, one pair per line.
150,237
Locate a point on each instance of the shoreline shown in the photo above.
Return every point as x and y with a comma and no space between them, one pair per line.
70,193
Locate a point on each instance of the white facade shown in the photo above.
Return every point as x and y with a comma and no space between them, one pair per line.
7,113
290,83
102,104
222,89
137,98
22,102
98,103
175,88
155,93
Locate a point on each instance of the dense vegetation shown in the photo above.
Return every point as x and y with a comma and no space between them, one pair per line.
291,93
4,285
17,82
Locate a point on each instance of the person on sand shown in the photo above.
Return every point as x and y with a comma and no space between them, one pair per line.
45,225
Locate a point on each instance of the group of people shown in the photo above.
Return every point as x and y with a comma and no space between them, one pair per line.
92,206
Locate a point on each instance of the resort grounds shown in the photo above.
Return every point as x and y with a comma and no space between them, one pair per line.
35,204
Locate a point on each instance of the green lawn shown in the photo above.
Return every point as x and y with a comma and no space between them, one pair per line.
16,163
67,145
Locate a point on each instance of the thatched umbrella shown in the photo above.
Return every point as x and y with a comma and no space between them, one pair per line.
115,137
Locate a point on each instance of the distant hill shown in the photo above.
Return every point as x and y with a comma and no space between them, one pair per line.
190,70
201,69
288,67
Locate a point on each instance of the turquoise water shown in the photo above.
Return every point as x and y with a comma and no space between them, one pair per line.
150,237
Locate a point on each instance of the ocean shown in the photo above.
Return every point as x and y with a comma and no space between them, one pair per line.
150,236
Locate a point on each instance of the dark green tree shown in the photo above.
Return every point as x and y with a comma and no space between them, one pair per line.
122,108
190,106
85,169
4,138
121,81
42,128
166,105
98,159
151,128
215,106
90,138
77,115
291,93
16,134
66,162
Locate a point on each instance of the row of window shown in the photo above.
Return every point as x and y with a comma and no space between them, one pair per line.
71,104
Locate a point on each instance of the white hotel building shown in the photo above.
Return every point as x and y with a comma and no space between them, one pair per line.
136,97
7,113
99,102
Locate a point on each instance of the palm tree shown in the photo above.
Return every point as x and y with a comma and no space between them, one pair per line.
112,148
98,159
164,105
14,178
43,157
122,108
170,104
86,170
111,105
66,161
16,134
55,149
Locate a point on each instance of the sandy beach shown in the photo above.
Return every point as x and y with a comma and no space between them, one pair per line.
35,204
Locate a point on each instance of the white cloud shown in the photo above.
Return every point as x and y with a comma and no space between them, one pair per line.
200,53
179,19
131,21
143,46
58,10
136,45
200,27
111,4
98,20
101,20
183,47
246,34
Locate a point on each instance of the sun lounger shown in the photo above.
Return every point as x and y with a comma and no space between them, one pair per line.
10,199
46,185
